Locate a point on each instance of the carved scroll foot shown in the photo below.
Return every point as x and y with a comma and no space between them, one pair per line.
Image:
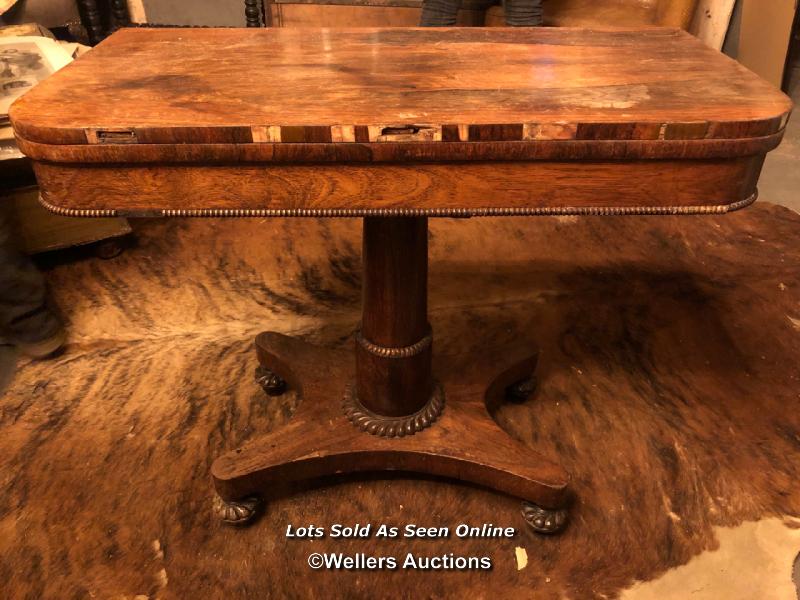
270,382
237,512
544,520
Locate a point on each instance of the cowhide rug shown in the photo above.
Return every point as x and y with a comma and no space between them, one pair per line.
668,385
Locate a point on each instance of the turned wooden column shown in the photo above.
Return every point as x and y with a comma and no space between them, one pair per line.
90,19
393,348
252,13
119,12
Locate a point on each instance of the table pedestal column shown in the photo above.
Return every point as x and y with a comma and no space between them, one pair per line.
394,393
386,409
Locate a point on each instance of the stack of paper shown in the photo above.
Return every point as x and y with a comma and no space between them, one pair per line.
24,62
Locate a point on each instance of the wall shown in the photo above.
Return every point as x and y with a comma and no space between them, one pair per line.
195,12
50,13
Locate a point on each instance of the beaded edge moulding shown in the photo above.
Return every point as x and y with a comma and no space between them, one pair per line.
717,209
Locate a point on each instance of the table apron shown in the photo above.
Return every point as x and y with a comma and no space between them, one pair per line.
444,189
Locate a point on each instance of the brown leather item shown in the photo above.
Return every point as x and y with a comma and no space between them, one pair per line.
406,124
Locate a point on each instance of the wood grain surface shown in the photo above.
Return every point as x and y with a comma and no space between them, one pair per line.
270,152
371,120
394,315
667,379
178,86
140,190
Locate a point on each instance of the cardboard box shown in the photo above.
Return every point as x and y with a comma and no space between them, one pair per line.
764,38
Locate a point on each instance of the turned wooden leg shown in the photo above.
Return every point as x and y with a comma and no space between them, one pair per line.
385,409
119,13
90,18
252,12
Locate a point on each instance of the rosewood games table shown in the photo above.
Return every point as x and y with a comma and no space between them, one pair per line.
395,126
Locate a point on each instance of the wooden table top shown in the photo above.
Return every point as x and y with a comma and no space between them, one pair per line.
447,122
166,86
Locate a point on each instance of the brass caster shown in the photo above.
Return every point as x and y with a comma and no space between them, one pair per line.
544,520
270,382
521,390
237,512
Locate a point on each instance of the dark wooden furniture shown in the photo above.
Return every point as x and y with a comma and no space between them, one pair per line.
617,13
103,18
400,13
397,125
254,13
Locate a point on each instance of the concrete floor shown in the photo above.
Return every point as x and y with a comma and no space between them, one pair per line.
780,179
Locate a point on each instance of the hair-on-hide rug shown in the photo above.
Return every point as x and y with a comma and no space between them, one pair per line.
668,386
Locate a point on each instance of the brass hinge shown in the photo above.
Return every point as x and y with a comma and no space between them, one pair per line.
111,136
